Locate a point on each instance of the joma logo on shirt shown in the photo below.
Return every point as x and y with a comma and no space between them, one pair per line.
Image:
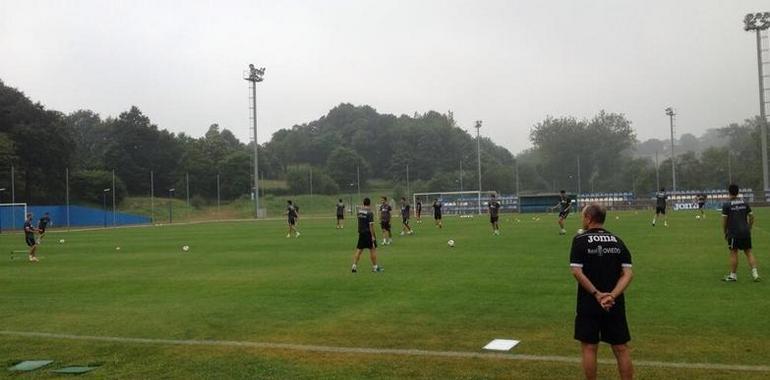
602,238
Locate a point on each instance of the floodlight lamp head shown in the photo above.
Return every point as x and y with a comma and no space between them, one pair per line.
756,21
669,111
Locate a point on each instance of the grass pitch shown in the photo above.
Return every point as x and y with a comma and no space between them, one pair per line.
248,282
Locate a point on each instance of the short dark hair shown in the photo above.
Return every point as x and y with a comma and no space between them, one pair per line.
562,192
403,198
340,199
384,198
493,195
367,201
733,189
596,213
662,189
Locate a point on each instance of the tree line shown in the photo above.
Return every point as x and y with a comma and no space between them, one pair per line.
347,145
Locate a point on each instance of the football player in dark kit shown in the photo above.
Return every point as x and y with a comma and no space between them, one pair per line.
601,264
437,213
385,210
366,237
291,213
737,221
418,211
564,206
405,210
494,211
42,224
29,238
660,207
340,214
701,199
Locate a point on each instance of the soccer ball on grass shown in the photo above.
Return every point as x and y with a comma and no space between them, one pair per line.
451,243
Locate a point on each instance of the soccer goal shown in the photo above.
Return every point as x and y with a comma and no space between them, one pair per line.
12,215
455,202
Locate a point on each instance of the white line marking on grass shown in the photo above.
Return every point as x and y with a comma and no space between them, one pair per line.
381,351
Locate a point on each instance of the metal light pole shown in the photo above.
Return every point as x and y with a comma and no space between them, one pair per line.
461,175
152,197
113,197
104,205
67,194
218,196
670,113
758,22
478,153
578,174
255,75
407,178
657,172
358,181
1,213
170,208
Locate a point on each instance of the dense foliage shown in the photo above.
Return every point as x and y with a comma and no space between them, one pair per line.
348,144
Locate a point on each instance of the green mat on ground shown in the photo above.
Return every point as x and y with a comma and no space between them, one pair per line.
29,365
74,370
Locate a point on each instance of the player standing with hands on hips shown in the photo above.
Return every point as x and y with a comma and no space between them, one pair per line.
601,264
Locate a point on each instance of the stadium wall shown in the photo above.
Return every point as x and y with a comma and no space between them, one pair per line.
79,217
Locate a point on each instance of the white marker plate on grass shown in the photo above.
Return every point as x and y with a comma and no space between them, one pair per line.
501,345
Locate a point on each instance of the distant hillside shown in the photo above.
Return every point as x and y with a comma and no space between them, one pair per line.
382,145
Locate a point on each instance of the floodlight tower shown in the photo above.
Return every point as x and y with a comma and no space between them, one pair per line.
758,22
670,113
478,154
254,76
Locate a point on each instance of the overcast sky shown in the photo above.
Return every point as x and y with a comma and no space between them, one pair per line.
508,63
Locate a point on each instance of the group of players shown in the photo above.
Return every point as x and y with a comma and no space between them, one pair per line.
367,237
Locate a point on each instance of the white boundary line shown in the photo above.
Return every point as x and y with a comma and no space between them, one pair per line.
385,351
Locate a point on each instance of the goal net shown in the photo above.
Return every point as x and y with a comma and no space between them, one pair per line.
12,215
454,202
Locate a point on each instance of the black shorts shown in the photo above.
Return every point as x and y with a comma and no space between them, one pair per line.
405,221
30,240
660,210
700,205
365,241
437,216
292,221
41,230
610,327
493,219
563,214
739,243
385,225
340,217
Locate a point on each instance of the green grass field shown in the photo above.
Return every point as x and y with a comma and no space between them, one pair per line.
247,282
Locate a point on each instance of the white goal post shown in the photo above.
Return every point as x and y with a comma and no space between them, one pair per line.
11,215
455,202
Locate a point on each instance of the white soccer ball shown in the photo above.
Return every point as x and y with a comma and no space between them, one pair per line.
185,248
61,241
117,248
451,243
697,216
